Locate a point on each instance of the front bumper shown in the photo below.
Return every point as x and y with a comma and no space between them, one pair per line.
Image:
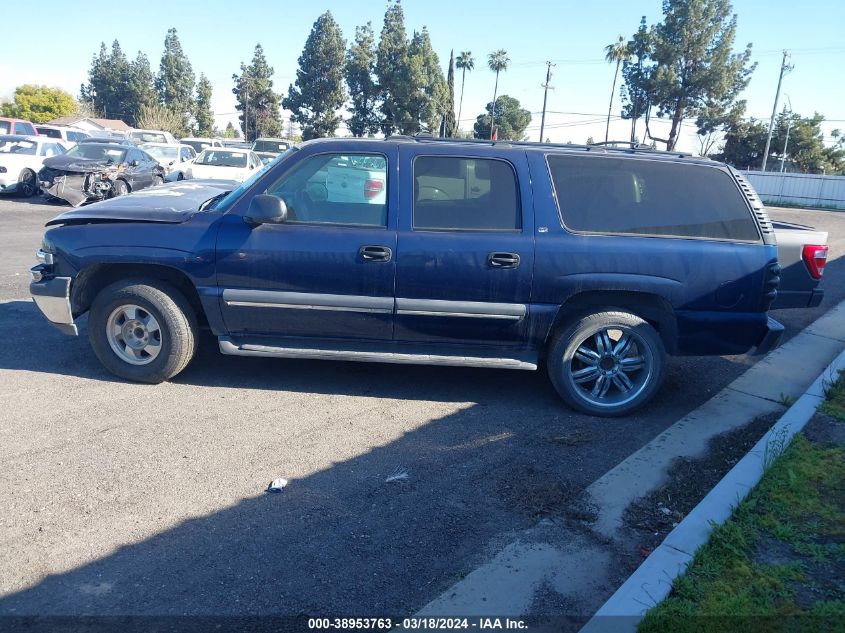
52,296
771,339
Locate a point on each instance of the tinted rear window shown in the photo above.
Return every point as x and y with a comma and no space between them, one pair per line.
46,131
648,197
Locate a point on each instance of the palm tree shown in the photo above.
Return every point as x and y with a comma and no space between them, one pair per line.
497,61
464,63
617,52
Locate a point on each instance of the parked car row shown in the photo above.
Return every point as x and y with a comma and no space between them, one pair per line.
74,166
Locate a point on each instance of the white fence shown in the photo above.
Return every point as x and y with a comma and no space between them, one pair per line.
811,190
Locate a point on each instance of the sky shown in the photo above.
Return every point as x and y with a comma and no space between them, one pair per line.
218,35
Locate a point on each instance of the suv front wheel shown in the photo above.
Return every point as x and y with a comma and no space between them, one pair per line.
607,363
142,330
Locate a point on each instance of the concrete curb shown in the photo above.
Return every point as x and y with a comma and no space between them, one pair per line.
652,581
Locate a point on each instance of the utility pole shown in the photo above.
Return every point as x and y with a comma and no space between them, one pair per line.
546,87
784,68
246,113
788,128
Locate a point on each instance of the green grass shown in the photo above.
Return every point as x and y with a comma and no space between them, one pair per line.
745,578
834,406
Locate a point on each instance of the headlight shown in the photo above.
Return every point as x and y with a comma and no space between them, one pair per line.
47,245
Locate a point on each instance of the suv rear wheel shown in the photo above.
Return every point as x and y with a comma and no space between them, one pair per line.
607,363
142,330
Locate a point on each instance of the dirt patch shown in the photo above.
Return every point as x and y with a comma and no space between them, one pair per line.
652,517
540,494
825,429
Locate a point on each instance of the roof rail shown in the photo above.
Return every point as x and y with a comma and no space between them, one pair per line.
609,146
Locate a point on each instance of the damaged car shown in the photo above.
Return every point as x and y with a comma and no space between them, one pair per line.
96,171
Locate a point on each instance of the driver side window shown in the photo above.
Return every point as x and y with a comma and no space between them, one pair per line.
343,189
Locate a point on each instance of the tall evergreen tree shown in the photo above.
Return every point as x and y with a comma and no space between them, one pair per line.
258,104
695,63
393,73
316,96
202,107
175,81
428,100
637,73
107,82
363,90
140,88
450,125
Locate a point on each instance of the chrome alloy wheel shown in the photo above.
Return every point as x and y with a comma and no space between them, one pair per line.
611,367
133,334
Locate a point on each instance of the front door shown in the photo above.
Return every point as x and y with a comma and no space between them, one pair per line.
465,254
328,272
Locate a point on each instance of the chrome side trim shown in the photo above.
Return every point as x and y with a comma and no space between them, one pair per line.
470,309
307,301
230,348
471,315
304,306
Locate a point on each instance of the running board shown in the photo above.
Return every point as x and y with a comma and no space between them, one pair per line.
411,356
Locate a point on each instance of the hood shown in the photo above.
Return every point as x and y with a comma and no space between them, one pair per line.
77,164
168,203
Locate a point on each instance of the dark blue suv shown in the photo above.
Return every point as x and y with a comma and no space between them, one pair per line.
594,262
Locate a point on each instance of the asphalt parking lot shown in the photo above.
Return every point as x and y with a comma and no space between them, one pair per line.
117,498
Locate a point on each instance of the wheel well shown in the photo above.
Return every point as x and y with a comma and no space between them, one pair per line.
653,308
93,279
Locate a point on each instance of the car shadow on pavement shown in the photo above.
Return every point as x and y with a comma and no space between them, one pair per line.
39,347
60,205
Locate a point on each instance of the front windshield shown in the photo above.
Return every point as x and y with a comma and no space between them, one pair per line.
230,198
18,147
161,153
90,151
221,158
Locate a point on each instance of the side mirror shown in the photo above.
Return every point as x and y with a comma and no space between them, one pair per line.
266,209
133,163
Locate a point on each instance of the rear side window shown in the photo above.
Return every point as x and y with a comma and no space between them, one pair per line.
465,194
648,197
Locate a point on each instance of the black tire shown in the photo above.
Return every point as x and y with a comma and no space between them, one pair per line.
157,180
181,176
27,183
176,321
591,370
119,188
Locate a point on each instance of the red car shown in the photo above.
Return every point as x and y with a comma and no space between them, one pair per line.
17,126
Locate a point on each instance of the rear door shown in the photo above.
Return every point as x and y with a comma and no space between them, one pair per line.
465,246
